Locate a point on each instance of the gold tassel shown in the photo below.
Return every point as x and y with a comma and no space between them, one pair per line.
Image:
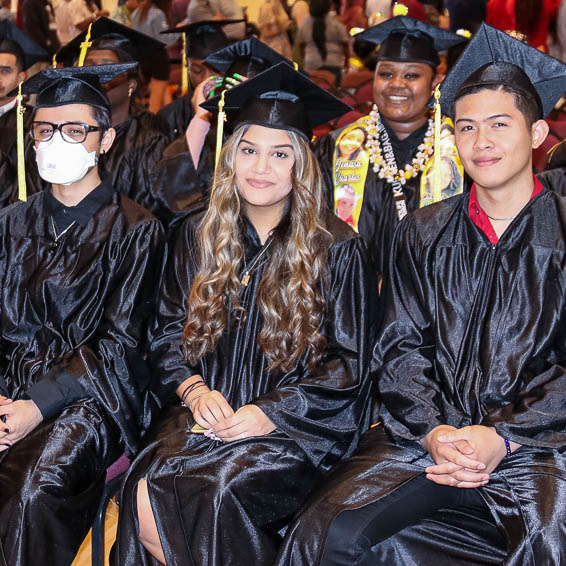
400,9
295,66
54,61
84,46
185,68
437,175
220,127
22,192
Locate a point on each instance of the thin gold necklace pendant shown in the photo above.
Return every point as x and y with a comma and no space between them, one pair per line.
246,279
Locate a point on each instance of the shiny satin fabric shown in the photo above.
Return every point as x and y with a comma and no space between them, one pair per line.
78,307
222,504
472,334
51,483
129,162
174,118
179,188
378,217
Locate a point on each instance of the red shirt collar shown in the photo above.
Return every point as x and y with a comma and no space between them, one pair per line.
479,216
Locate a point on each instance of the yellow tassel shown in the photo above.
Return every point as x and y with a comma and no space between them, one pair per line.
54,61
185,68
437,175
295,66
400,9
22,193
220,127
85,46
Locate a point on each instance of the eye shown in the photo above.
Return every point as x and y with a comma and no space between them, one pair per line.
467,128
280,154
412,76
385,75
246,150
500,125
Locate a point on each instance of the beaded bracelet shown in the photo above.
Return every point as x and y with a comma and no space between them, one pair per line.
507,446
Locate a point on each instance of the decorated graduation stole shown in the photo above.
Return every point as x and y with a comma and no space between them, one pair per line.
351,162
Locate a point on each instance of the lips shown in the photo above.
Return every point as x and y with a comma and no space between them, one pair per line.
486,161
258,184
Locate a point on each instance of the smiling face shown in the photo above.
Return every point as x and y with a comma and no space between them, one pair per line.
350,142
263,167
402,90
493,138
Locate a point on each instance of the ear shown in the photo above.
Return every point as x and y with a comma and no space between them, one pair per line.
132,84
436,80
22,75
107,140
539,131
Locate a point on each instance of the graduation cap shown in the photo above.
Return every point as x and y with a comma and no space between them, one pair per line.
405,39
203,38
73,85
493,58
32,52
247,57
279,98
109,34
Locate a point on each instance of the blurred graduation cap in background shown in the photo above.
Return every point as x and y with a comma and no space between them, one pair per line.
32,52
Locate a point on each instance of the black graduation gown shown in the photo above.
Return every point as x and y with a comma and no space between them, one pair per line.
174,118
473,333
180,189
378,217
221,504
73,322
137,148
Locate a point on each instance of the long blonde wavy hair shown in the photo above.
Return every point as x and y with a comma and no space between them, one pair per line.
290,293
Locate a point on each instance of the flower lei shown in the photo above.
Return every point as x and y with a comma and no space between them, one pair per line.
388,169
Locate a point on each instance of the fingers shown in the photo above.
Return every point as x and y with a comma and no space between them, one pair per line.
457,435
5,400
444,468
464,447
452,455
449,480
232,428
211,409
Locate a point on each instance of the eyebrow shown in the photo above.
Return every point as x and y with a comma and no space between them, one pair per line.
6,67
271,146
486,119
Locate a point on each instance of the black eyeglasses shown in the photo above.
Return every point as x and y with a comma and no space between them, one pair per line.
71,132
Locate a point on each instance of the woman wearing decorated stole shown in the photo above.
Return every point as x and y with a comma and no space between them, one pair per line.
261,347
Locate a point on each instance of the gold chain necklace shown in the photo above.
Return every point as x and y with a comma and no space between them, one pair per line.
246,278
388,169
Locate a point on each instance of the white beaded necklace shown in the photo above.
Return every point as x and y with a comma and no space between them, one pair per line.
388,170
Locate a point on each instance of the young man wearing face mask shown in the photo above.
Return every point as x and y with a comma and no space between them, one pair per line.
386,173
77,268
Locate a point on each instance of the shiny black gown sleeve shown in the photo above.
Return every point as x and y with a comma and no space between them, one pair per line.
180,188
108,367
411,396
323,149
326,410
174,118
166,343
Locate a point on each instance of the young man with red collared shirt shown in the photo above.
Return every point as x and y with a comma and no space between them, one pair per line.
468,464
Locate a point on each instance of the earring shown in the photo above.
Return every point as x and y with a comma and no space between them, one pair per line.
130,91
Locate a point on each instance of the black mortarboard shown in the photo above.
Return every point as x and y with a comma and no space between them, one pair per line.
31,50
494,58
108,34
279,98
405,39
247,57
73,85
204,38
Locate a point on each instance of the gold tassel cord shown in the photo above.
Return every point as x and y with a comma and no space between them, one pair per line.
85,46
437,174
185,68
54,61
220,128
22,192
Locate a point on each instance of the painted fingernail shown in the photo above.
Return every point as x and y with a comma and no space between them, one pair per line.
238,76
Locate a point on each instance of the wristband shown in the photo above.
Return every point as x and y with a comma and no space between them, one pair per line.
507,447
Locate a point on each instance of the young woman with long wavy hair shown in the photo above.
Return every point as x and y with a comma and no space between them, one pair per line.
264,333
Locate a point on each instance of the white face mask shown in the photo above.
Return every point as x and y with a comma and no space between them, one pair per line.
63,163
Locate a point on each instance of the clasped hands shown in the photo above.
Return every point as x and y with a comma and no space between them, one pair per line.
20,418
212,411
464,457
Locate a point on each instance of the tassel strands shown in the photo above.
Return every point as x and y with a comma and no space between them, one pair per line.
22,191
185,67
437,175
85,45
